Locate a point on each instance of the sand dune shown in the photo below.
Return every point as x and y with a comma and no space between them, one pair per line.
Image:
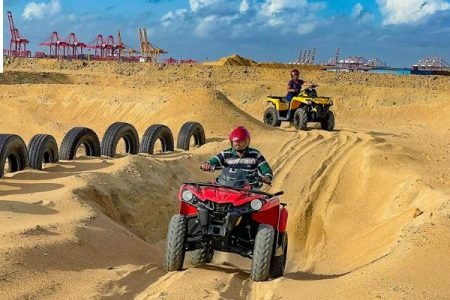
368,203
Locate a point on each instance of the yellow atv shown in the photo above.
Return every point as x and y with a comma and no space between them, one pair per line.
304,108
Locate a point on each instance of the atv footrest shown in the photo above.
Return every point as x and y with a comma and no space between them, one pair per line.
216,230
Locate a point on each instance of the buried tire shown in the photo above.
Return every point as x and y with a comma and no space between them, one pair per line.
202,256
271,117
189,130
152,135
117,131
262,253
76,137
42,148
14,152
175,251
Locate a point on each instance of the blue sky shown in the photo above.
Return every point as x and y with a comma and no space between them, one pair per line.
398,32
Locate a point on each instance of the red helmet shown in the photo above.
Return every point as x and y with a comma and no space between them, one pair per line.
238,134
295,72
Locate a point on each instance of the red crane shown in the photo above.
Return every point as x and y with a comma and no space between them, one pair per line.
56,45
17,44
105,49
74,46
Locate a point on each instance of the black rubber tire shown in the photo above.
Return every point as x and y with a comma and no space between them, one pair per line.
328,123
202,256
76,137
301,119
154,133
176,236
189,130
42,148
278,263
13,150
114,133
262,253
271,117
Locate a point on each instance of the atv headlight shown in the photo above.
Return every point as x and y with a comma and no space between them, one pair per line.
309,102
256,204
187,195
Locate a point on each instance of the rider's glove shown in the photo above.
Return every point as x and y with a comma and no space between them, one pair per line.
266,179
206,166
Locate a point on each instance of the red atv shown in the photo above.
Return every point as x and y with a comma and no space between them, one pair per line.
229,216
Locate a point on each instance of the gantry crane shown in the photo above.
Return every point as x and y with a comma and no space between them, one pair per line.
17,44
123,47
147,49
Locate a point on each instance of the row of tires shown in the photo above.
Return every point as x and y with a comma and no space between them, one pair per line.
42,148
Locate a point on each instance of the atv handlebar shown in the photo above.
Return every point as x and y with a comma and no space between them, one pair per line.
213,168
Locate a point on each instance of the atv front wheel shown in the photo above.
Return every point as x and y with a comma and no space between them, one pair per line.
300,119
176,235
271,117
278,263
262,253
328,122
202,256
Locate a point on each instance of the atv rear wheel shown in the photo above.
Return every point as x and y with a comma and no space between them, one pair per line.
262,253
202,256
278,263
176,235
300,118
328,122
271,117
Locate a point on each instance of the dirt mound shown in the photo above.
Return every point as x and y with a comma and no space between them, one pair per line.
233,60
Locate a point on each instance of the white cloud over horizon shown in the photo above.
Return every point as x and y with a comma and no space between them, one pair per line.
397,12
271,7
40,10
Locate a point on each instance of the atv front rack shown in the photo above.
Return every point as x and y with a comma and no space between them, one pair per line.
234,188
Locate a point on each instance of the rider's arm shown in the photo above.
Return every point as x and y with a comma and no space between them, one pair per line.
264,168
310,84
217,160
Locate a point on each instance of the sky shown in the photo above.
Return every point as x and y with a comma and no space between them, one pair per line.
397,32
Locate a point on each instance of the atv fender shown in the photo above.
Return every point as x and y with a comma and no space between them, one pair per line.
267,216
274,102
283,220
277,102
187,210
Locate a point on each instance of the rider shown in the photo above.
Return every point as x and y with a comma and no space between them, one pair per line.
295,85
241,156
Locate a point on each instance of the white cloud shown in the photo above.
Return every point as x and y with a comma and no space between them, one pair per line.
360,15
35,10
271,7
404,12
243,7
316,6
306,28
213,24
357,10
205,26
197,4
171,16
275,22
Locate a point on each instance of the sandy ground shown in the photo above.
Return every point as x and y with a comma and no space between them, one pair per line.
369,211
